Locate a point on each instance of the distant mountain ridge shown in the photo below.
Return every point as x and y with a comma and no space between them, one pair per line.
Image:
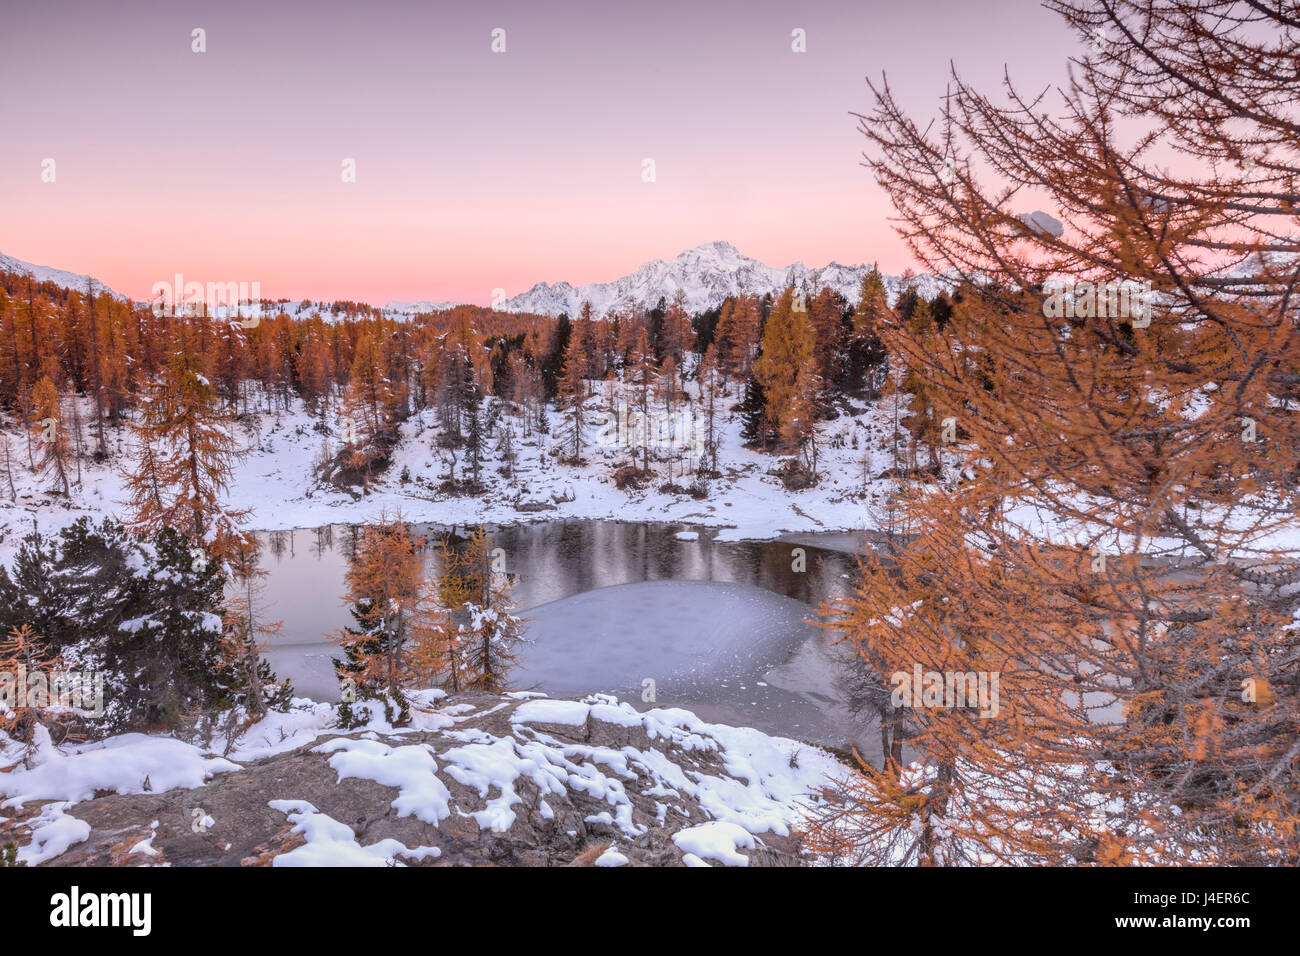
707,275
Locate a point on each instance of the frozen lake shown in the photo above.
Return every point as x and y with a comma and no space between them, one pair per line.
720,627
716,649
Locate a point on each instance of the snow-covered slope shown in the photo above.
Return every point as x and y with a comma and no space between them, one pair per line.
416,308
60,277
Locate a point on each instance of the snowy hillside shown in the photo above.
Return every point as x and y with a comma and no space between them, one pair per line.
60,277
278,484
416,308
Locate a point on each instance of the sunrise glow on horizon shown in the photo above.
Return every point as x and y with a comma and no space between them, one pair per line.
475,170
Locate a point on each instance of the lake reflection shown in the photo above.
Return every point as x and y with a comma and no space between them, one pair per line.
784,682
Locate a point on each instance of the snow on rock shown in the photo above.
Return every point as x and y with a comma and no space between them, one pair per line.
145,846
716,840
497,763
572,712
485,779
411,769
52,833
129,763
331,843
611,857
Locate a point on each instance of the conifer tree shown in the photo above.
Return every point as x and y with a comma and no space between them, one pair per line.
247,630
489,633
387,591
1112,550
711,385
168,662
573,393
755,427
788,345
50,434
187,451
866,352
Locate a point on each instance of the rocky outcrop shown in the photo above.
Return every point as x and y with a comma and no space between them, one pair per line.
479,780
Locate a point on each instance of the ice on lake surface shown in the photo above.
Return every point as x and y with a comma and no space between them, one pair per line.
730,652
717,625
671,631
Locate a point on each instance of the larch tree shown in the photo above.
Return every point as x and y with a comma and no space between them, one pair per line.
487,630
386,592
95,365
116,379
788,348
248,628
583,341
642,375
440,650
23,648
677,336
186,455
667,385
1116,551
726,338
368,403
826,311
865,348
573,394
50,434
712,384
798,430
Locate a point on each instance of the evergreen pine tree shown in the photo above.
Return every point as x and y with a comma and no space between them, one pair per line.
754,426
387,593
474,436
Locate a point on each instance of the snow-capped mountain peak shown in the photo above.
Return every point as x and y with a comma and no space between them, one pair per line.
705,275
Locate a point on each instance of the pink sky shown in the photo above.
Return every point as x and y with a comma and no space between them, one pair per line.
474,170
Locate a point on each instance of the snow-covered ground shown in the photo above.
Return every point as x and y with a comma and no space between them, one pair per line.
277,484
761,786
276,480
